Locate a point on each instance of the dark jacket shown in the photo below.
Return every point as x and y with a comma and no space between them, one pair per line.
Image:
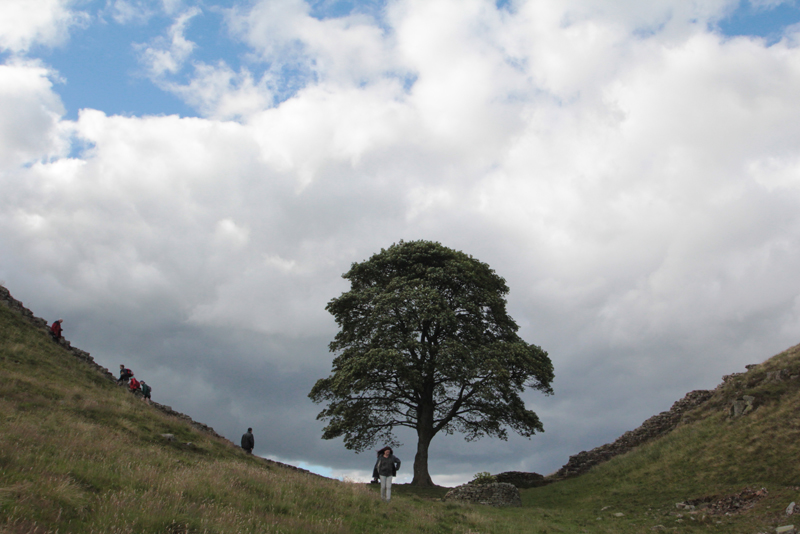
394,465
248,441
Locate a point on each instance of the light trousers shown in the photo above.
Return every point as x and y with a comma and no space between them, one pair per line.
386,488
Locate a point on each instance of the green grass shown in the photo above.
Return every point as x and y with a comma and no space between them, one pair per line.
79,454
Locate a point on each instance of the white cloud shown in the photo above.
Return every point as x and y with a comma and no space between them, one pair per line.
229,234
220,93
124,12
29,124
346,50
25,23
167,55
638,190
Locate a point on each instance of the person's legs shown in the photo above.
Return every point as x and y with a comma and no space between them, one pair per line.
386,488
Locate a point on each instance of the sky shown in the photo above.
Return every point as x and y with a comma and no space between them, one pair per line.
184,183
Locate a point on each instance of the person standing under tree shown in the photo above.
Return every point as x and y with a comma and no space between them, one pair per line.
387,467
248,441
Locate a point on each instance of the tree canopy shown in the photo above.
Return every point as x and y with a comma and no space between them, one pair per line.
425,342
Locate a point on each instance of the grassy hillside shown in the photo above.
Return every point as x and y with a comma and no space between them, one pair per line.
79,454
709,457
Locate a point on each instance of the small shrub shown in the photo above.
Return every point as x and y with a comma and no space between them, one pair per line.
483,478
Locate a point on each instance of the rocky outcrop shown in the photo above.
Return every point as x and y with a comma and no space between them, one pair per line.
497,494
742,406
725,505
521,479
656,426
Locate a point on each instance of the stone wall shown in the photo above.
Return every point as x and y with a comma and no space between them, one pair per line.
521,479
497,494
656,426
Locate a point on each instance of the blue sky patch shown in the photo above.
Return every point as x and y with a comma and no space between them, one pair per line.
768,22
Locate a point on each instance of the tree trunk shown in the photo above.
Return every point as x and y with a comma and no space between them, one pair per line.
424,436
421,475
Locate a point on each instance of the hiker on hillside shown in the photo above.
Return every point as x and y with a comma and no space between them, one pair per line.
145,391
387,466
124,375
248,441
55,330
133,385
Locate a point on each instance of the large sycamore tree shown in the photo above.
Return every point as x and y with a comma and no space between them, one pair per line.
425,342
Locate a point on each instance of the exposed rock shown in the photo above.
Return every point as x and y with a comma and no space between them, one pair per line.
655,427
168,437
786,529
777,376
727,378
497,494
521,479
743,406
730,504
790,508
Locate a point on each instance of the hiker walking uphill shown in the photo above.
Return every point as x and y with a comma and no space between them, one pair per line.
248,441
134,385
125,374
146,390
56,330
387,466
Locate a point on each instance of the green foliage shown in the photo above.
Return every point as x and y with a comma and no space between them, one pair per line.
484,477
425,342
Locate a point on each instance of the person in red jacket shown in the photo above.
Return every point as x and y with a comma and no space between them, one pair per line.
55,330
133,385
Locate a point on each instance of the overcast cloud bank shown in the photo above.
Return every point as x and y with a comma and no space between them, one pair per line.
632,172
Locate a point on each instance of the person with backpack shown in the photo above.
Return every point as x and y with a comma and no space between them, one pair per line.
124,375
145,391
133,385
248,441
387,466
56,330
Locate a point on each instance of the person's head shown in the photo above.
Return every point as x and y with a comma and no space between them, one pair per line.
60,321
249,429
122,366
386,452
